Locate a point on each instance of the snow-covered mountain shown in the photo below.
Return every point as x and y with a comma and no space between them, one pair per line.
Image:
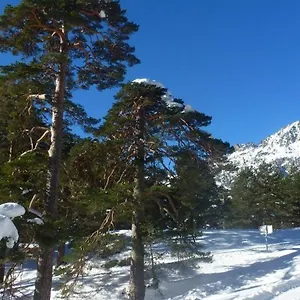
281,149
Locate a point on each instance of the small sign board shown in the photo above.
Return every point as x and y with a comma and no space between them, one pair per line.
266,229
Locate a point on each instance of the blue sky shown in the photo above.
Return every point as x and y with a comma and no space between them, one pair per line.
236,60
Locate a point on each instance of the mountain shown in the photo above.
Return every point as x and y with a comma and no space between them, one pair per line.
281,149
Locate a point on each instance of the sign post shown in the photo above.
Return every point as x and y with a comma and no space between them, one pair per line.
266,230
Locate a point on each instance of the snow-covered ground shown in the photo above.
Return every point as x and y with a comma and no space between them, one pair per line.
241,269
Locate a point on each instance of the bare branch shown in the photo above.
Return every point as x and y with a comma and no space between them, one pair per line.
34,147
37,96
109,176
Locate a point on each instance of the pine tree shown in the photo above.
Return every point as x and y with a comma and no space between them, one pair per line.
196,191
258,198
271,204
19,128
67,44
151,128
243,201
291,198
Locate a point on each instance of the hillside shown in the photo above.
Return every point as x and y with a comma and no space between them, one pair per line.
282,149
241,269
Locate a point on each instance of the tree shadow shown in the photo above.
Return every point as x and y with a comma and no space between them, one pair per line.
234,278
238,239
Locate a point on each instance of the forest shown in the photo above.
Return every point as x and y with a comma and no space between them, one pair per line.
148,167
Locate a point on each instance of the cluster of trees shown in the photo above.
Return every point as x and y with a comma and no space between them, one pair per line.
267,195
147,166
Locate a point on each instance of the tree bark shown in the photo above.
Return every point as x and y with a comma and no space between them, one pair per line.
60,254
2,273
137,284
43,283
3,250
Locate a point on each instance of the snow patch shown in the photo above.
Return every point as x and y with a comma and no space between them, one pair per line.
12,210
102,14
167,97
188,108
8,231
37,221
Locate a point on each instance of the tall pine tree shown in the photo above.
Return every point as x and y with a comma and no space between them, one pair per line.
67,44
152,128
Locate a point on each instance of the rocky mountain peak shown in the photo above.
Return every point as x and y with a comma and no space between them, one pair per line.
285,136
281,149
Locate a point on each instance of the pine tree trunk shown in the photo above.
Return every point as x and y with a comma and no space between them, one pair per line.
60,254
137,284
2,273
43,283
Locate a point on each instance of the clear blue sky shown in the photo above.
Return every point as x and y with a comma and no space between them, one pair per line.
236,60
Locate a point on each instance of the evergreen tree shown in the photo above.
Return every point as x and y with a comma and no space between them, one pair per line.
67,44
271,205
19,129
196,191
258,198
151,128
243,201
291,198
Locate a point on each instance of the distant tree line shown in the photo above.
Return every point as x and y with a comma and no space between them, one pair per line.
267,195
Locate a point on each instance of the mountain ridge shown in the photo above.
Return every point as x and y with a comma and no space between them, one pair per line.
281,149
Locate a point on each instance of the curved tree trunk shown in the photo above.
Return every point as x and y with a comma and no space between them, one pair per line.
43,283
137,284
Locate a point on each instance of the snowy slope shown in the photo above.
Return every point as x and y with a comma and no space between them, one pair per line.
241,269
281,149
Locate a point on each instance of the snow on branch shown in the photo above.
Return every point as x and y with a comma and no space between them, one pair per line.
167,97
8,230
37,96
12,210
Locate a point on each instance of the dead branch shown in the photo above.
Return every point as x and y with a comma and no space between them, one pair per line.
37,96
104,227
31,209
34,147
109,177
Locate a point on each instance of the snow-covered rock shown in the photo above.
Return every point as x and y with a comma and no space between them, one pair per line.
281,149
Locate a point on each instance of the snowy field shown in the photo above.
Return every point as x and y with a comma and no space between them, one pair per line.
241,269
